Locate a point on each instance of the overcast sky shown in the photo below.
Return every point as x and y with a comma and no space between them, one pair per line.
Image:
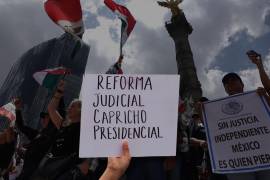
223,32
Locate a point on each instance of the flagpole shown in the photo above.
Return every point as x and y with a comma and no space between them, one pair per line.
73,34
121,38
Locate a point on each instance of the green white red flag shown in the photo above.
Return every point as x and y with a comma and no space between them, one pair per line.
48,78
67,14
128,21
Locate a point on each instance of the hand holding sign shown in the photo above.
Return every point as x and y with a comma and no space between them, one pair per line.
117,166
262,92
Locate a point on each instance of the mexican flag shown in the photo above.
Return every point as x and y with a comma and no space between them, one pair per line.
128,21
8,111
48,78
67,14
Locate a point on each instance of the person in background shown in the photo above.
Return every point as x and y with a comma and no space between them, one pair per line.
29,132
40,140
7,149
199,153
64,152
233,84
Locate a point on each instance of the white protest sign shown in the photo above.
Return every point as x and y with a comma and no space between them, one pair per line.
238,133
140,108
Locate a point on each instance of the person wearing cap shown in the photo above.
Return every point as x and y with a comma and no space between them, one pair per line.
233,84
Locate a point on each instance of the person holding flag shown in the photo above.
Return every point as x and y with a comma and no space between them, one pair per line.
48,78
128,24
64,151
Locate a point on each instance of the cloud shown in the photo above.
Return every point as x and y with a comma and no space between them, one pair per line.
90,20
212,84
105,12
24,24
235,53
215,24
251,77
148,12
150,49
267,17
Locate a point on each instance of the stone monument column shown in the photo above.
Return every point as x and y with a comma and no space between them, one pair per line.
179,29
190,88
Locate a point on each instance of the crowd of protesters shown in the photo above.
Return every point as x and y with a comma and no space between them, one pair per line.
52,151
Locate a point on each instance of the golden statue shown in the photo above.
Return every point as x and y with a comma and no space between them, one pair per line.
172,5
